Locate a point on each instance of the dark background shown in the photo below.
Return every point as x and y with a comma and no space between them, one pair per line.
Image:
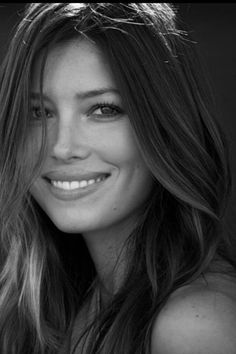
213,27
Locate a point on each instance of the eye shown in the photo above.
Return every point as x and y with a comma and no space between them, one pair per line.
37,113
105,111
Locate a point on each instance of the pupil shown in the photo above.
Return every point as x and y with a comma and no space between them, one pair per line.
106,110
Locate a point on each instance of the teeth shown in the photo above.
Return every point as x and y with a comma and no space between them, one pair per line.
83,184
91,181
76,184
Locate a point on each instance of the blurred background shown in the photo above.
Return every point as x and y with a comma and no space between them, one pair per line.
213,27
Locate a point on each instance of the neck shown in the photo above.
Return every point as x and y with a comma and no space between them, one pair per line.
108,251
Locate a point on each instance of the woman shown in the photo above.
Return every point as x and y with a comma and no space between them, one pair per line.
114,182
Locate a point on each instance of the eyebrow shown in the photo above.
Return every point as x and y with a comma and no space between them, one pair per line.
82,95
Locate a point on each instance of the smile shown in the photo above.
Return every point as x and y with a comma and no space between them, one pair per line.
72,185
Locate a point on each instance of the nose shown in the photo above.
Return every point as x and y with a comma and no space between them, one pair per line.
70,142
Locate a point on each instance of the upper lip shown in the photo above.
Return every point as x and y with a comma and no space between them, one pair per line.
72,176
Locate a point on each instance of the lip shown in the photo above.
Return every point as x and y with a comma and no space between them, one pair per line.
70,195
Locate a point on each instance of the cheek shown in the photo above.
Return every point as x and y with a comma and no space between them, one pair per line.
32,150
120,149
35,142
134,181
117,144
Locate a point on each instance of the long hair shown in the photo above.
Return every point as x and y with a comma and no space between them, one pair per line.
180,233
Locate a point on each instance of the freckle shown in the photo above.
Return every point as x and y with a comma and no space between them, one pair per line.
197,316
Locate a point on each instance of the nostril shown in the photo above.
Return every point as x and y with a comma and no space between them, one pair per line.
70,151
71,141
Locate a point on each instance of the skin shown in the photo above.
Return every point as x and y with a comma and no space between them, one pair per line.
198,319
83,138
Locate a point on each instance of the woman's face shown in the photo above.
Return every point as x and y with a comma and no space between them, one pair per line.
93,176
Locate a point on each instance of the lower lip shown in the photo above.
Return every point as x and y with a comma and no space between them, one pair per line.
67,195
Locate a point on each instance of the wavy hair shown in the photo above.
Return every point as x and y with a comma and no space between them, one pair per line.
180,233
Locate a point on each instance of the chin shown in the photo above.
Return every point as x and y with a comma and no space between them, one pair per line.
72,223
69,227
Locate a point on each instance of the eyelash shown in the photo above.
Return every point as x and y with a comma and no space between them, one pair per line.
109,105
112,106
38,108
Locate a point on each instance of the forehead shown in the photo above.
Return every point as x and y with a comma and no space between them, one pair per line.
78,62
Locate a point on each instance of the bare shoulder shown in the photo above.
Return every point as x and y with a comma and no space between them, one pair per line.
198,319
